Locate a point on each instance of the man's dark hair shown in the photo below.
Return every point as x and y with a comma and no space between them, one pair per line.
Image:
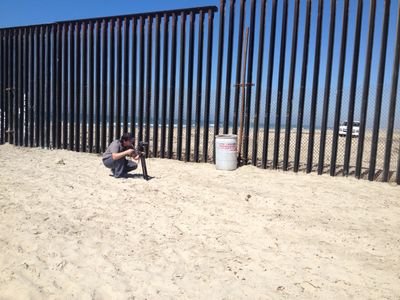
127,137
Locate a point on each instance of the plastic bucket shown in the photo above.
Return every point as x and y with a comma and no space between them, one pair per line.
226,152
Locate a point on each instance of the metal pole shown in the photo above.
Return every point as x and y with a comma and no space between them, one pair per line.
118,81
393,99
32,98
126,76
280,85
104,80
365,94
111,98
258,82
65,109
219,71
339,90
228,82
267,113
181,85
172,89
97,88
148,80
353,85
156,87
54,85
141,80
189,88
314,96
16,88
379,91
164,87
78,86
302,88
327,89
199,86
133,76
249,81
71,86
208,84
238,66
84,87
2,100
90,85
291,85
42,88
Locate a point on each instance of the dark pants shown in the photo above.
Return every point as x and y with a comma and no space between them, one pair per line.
119,167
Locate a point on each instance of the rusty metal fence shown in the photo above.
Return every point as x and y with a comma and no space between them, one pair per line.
176,83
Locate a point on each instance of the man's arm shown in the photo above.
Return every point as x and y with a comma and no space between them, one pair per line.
117,156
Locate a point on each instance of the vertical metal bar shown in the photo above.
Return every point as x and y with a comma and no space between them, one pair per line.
164,87
84,86
327,89
71,86
2,99
111,99
258,81
48,84
148,80
291,85
207,97
118,81
6,84
90,85
199,86
54,86
126,76
302,88
379,91
249,81
65,87
238,66
58,86
78,86
398,167
280,86
16,86
339,90
189,87
156,87
267,113
97,89
104,82
219,70
38,103
21,89
12,91
141,79
181,85
42,86
314,94
353,85
228,84
133,76
365,94
172,89
32,98
393,99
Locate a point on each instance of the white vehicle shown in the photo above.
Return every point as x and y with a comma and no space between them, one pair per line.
343,129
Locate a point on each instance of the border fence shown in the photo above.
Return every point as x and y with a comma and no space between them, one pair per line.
321,74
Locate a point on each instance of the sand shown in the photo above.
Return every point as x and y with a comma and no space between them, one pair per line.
70,231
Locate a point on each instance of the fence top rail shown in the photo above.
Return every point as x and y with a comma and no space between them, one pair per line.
195,10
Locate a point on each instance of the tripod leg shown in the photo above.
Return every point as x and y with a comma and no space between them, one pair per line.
144,168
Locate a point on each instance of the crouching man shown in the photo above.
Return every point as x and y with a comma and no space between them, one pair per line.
115,156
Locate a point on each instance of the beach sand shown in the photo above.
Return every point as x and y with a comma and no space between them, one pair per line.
70,231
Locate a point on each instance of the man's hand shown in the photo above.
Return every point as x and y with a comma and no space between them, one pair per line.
117,156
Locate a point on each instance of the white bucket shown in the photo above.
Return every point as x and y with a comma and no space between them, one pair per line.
226,152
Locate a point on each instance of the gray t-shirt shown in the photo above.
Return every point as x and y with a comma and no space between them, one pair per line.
114,147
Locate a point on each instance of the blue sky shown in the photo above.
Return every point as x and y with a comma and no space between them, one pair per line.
25,12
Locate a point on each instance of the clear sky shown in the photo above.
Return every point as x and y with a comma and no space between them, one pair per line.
28,12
